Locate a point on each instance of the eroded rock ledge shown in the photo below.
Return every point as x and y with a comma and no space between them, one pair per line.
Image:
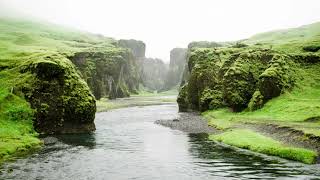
238,78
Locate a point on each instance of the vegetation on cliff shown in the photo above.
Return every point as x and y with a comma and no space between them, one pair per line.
178,57
109,72
271,78
153,74
42,91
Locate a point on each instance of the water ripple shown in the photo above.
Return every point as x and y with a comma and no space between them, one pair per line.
128,145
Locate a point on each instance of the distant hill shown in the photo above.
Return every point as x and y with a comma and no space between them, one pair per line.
289,40
24,36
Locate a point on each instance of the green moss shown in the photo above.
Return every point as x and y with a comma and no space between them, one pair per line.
109,72
241,78
274,80
220,119
203,44
256,101
279,76
234,73
301,103
248,139
34,67
17,134
211,99
311,48
182,99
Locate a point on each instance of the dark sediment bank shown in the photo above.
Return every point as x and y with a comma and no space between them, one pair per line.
188,122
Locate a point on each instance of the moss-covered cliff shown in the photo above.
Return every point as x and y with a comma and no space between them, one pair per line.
49,77
153,73
138,48
238,78
178,58
110,72
262,93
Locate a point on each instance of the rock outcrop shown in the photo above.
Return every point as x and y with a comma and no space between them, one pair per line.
111,72
238,78
178,58
62,101
154,73
138,48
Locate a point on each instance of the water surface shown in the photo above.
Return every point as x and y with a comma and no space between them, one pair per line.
128,145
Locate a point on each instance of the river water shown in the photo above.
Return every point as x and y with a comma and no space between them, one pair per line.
129,145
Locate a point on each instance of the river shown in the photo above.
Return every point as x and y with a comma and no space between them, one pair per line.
129,145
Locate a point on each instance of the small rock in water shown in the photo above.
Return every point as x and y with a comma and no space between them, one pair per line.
175,120
49,140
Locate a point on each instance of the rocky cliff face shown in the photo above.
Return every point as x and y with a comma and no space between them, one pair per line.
193,45
111,72
178,58
238,78
138,48
154,72
62,101
59,73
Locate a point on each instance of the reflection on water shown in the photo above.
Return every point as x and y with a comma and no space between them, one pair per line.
86,139
128,145
220,159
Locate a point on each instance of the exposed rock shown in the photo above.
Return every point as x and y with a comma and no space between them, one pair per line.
178,58
235,78
188,122
138,48
111,72
154,72
62,101
49,140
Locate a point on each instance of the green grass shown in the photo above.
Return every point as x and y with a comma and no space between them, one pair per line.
105,104
22,42
291,108
17,134
25,37
143,93
288,40
248,139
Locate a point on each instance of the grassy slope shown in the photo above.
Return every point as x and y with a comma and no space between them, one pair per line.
290,109
289,40
21,40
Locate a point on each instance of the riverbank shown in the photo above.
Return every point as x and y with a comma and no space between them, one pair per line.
141,99
287,126
291,119
129,138
267,139
17,134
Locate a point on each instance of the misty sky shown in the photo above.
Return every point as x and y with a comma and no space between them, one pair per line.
165,24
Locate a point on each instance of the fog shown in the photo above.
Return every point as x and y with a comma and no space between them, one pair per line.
165,24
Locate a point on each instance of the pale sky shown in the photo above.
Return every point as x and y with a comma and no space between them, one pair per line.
166,24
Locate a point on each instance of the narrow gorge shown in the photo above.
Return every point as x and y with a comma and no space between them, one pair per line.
76,104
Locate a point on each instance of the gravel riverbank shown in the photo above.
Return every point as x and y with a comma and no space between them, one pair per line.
188,122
